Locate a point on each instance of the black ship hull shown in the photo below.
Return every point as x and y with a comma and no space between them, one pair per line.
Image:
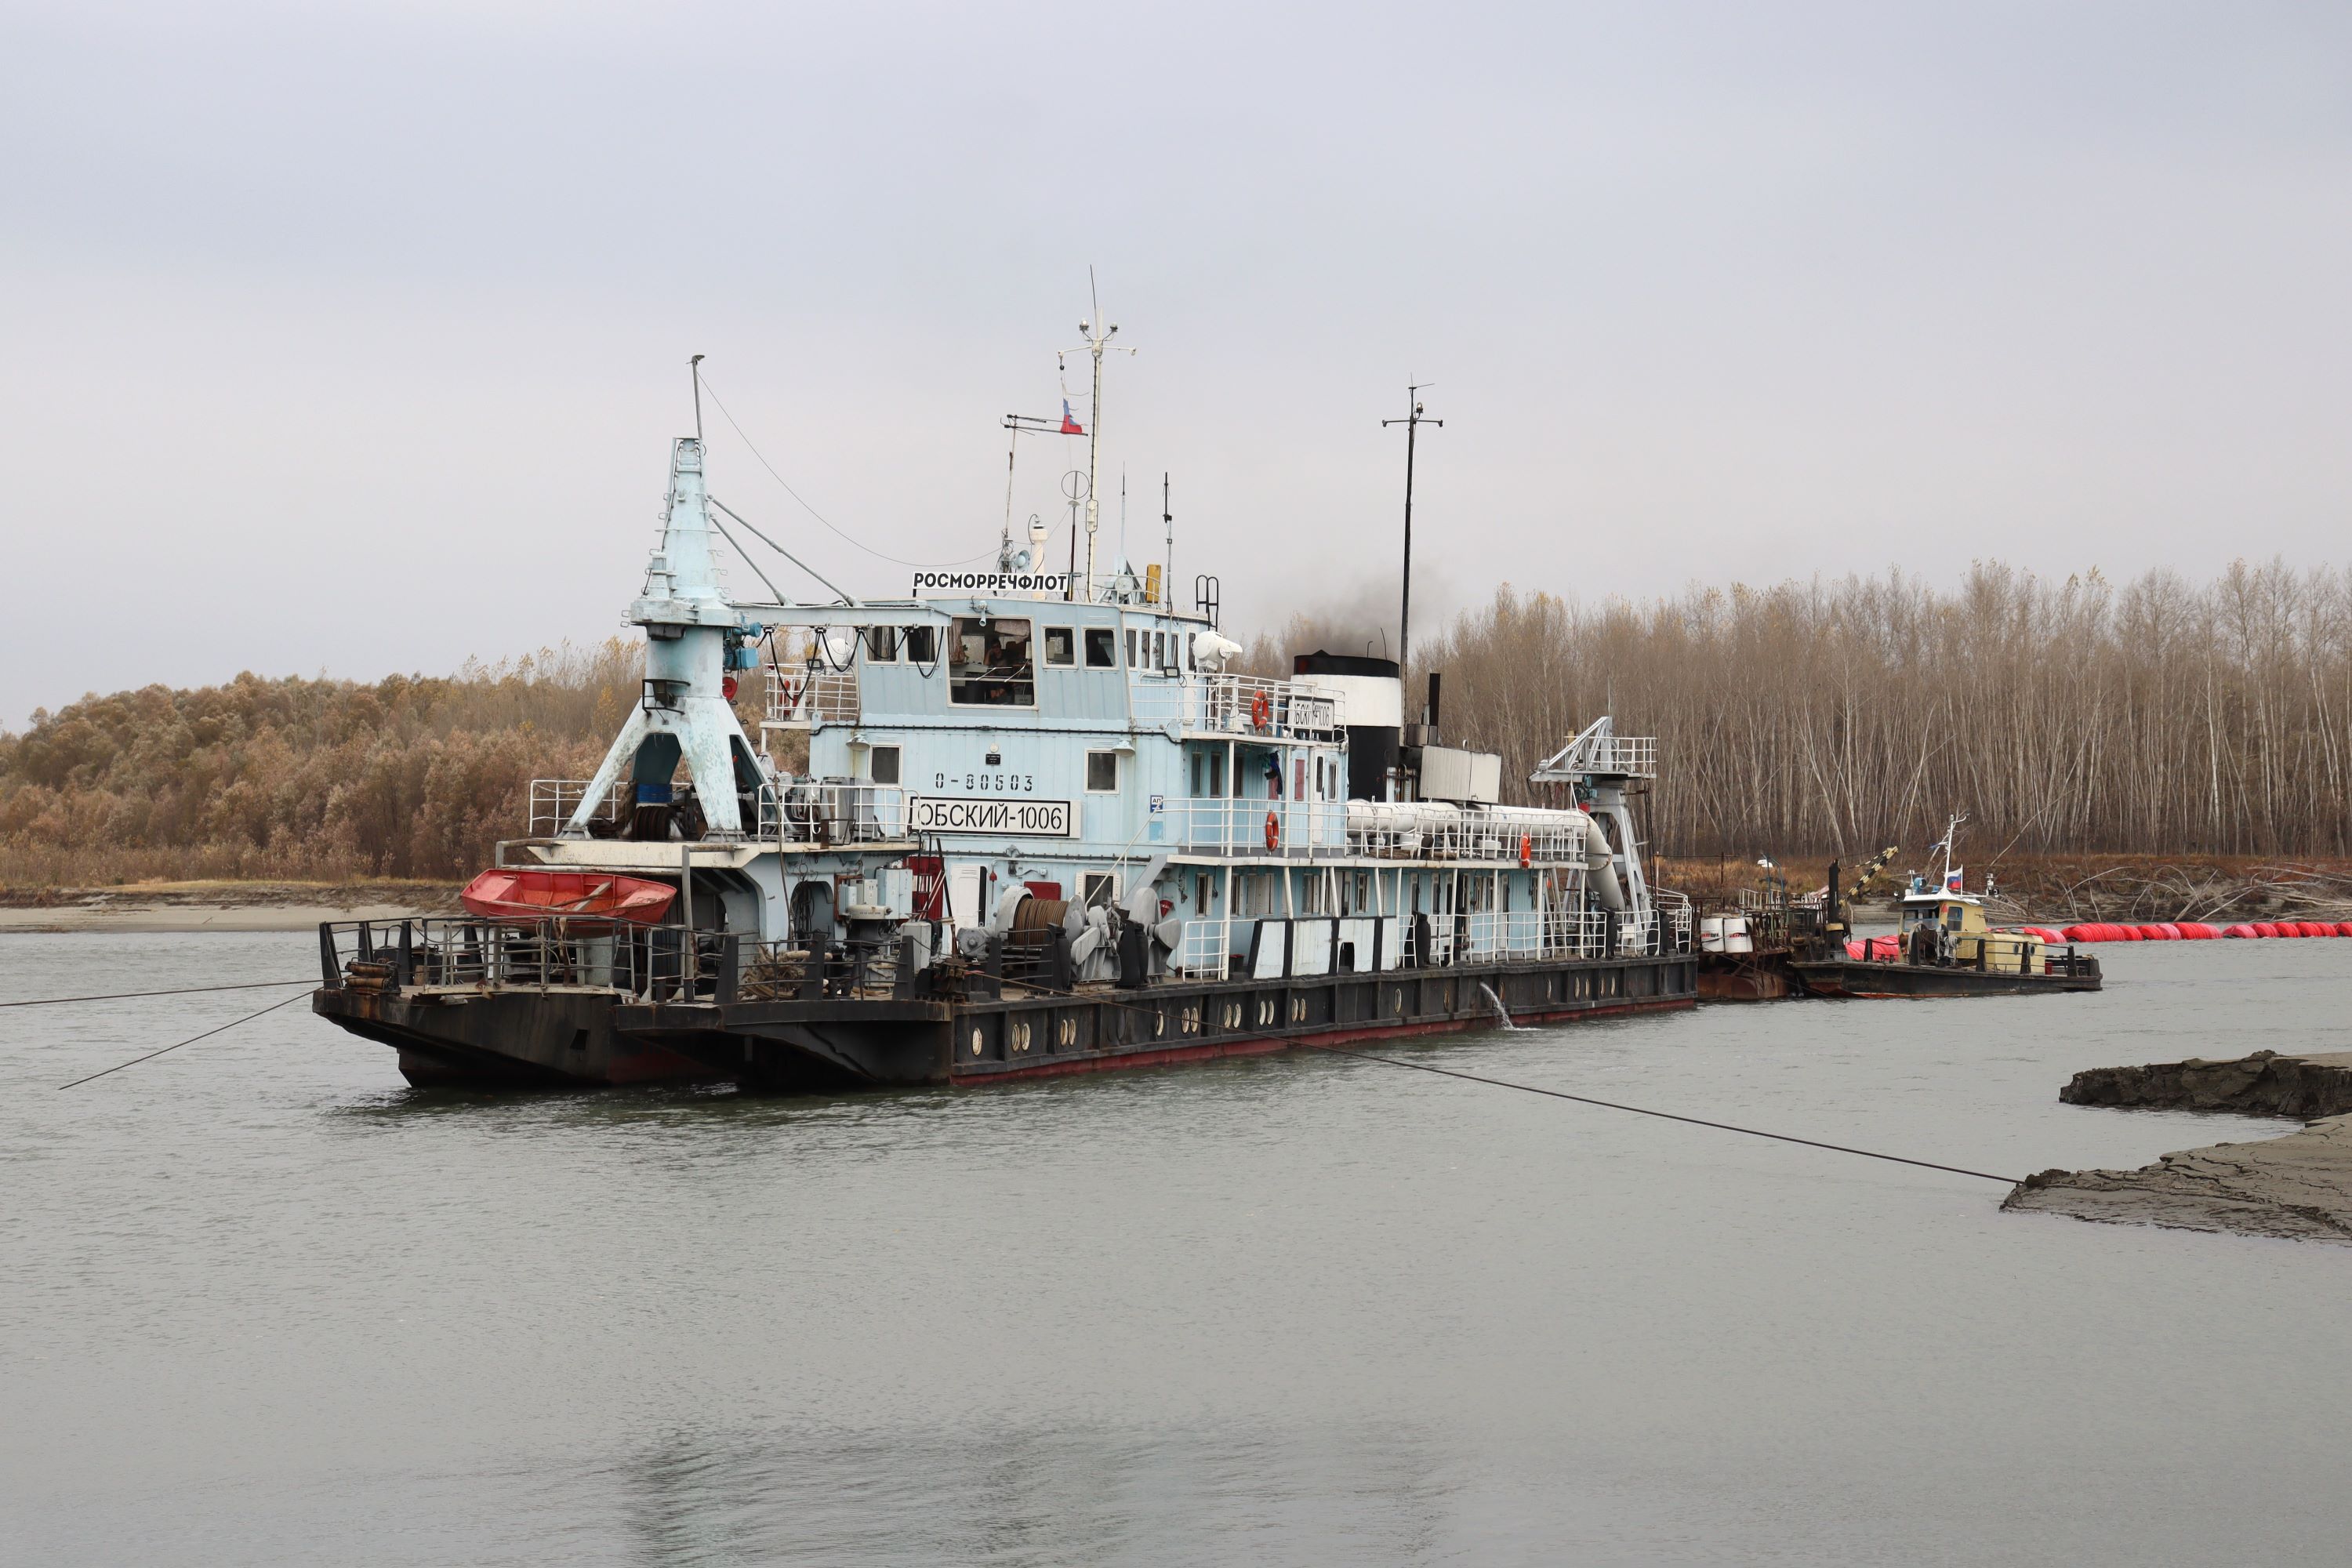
576,1038
1859,979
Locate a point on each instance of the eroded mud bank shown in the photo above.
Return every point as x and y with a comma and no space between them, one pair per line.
2297,1186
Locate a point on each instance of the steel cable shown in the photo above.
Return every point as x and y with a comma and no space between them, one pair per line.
178,991
191,1040
1581,1099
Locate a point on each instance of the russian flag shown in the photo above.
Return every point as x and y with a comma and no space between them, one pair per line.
1952,881
1070,427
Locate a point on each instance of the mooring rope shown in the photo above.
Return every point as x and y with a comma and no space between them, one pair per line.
1129,1006
176,991
191,1040
1663,1115
1580,1099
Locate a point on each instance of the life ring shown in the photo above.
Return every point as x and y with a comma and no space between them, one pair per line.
1526,849
1261,711
1273,829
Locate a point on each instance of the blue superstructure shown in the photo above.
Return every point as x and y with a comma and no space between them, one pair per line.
1013,822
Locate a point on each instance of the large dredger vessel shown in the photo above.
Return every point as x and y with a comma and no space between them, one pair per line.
1043,827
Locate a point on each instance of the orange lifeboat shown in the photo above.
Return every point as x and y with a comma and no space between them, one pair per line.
506,894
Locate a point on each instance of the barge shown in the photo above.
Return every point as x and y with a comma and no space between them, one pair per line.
1038,825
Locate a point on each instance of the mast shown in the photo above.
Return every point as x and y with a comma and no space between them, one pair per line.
1412,423
1096,344
1098,341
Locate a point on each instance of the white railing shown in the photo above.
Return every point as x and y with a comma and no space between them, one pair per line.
804,699
1244,707
1237,825
1482,935
1203,950
1674,910
1405,832
1204,947
1634,756
554,802
812,813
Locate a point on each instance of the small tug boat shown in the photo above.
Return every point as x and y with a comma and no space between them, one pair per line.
1943,946
1042,828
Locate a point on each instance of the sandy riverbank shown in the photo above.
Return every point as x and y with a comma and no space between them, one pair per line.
219,906
2298,1187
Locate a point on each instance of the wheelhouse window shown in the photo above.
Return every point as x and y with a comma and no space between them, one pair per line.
1061,647
1102,773
882,645
885,765
991,665
1102,648
922,644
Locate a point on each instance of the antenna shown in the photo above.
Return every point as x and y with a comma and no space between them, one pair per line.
694,367
1412,423
1097,338
1168,522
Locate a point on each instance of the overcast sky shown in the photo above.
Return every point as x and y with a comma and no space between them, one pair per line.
351,338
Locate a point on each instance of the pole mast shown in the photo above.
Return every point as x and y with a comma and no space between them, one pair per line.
1097,341
1412,423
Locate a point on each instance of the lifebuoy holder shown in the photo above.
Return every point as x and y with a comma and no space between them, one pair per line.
1261,711
1273,830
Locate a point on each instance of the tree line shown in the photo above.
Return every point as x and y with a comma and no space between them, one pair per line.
303,779
2157,716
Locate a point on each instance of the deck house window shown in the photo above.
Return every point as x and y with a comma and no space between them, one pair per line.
1102,648
882,645
1098,890
1208,774
885,765
1133,660
922,644
1061,647
1102,773
991,664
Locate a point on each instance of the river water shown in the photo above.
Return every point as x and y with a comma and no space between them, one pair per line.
260,1302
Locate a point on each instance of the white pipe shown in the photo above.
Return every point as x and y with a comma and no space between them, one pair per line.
1599,865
